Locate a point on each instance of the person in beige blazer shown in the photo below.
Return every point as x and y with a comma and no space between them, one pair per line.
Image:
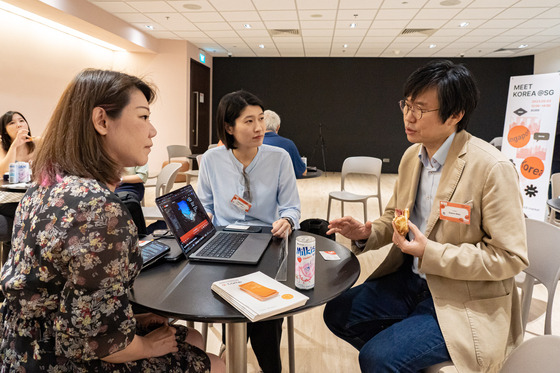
446,291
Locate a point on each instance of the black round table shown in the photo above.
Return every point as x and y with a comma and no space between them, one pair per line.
182,289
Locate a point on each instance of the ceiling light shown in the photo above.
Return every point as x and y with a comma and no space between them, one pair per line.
432,46
353,25
345,46
247,25
192,6
523,46
450,2
149,27
57,26
261,46
463,24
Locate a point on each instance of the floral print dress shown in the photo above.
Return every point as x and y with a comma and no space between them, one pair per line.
74,256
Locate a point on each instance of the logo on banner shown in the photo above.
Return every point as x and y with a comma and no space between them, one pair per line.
519,136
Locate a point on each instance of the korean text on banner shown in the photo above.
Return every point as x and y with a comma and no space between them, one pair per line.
529,132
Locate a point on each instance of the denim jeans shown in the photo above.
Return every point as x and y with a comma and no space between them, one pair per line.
391,321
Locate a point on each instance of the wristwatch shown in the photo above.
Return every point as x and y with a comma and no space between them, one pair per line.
289,220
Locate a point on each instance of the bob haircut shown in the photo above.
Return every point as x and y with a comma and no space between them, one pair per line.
456,87
229,109
6,139
71,145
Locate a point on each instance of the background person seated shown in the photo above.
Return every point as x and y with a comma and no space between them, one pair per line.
271,137
133,179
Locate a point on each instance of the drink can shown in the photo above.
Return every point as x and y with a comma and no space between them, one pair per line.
13,175
305,262
23,172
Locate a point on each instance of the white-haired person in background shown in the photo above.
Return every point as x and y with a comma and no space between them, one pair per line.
271,137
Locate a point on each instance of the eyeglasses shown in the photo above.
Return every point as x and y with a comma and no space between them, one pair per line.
247,191
416,112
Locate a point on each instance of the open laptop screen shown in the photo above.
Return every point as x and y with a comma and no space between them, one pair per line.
186,217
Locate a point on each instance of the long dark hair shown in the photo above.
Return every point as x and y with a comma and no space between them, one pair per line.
70,144
6,139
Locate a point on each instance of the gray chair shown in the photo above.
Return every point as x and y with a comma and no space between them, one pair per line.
497,142
181,151
192,173
357,165
538,354
164,183
544,266
555,188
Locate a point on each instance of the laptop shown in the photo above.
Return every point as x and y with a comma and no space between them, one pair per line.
198,238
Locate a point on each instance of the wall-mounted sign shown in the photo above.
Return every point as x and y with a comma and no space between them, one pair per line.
202,57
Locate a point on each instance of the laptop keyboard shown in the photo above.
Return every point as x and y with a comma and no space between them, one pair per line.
223,245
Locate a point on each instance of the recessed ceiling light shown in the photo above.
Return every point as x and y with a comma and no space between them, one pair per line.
523,46
261,46
432,46
463,24
149,27
192,6
247,25
353,25
345,46
450,2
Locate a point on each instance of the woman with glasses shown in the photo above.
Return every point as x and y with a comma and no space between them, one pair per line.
248,183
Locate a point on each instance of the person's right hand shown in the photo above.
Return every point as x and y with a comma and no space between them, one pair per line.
350,228
161,341
21,137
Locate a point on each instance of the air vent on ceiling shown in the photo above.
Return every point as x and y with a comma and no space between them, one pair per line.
283,32
416,31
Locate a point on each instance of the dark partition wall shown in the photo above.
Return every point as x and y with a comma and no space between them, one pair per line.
355,100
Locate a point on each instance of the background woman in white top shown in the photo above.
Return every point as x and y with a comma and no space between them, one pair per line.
17,143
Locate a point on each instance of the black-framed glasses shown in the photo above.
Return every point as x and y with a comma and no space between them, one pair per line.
416,111
247,191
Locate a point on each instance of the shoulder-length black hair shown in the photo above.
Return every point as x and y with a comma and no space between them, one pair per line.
229,109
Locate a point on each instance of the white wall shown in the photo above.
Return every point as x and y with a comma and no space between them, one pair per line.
547,62
37,62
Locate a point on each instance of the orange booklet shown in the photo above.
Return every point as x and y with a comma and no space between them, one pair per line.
258,291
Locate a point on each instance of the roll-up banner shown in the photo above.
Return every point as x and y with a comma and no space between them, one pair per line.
529,132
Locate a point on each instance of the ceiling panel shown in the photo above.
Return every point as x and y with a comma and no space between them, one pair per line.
325,25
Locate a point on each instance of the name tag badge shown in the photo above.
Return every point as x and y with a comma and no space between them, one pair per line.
456,212
240,203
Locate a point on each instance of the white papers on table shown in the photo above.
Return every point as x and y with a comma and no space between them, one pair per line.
253,308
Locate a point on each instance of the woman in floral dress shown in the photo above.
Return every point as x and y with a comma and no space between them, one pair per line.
75,248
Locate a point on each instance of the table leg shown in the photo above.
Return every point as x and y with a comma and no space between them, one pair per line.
236,347
291,352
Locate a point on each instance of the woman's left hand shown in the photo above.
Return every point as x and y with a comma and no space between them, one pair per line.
280,227
147,319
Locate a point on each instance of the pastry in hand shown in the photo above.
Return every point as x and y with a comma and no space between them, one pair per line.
401,221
